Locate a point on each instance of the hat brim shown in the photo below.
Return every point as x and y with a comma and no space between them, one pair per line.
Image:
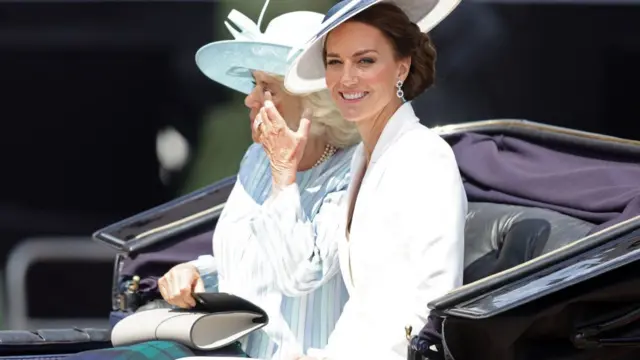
306,73
231,62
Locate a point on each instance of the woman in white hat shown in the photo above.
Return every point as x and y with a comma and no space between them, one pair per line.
275,247
405,212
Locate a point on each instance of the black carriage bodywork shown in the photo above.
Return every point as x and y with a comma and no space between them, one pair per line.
579,300
167,228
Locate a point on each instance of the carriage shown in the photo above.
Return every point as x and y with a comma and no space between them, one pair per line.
551,255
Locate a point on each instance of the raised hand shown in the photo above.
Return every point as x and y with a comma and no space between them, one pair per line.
283,146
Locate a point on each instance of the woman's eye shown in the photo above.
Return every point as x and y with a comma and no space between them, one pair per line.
333,62
367,61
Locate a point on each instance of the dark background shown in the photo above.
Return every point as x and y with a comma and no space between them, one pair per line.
87,85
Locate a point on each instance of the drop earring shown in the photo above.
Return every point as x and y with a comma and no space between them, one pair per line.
400,93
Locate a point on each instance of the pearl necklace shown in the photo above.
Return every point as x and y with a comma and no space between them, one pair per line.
329,150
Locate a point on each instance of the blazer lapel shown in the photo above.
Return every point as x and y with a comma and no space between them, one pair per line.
344,251
357,169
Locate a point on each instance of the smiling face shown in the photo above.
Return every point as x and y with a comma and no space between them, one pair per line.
362,70
289,106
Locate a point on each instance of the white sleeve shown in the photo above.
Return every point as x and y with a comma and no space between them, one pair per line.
206,264
431,222
436,246
208,270
303,252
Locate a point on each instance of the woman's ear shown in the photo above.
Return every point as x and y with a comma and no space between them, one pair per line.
403,68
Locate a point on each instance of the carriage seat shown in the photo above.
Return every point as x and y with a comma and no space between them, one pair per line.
498,236
52,341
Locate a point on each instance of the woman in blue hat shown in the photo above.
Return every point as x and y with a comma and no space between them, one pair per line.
264,227
406,205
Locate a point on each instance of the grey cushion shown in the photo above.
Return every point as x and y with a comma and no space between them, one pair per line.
499,236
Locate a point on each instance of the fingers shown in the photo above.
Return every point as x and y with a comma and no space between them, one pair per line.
305,124
199,286
306,114
182,287
175,290
176,286
186,300
162,286
261,127
257,122
265,120
303,132
255,128
268,97
272,117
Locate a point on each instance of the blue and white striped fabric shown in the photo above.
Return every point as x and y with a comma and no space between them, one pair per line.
280,252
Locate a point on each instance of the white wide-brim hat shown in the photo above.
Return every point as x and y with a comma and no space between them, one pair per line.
307,72
231,62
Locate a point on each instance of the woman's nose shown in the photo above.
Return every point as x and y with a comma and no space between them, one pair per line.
348,75
253,99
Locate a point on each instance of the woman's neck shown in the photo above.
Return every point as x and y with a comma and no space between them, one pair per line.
313,150
371,129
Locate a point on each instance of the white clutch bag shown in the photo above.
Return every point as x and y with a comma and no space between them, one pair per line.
218,320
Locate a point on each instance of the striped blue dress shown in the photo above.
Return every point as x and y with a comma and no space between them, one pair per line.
280,251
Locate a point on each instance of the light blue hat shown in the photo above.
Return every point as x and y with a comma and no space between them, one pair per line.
306,74
230,62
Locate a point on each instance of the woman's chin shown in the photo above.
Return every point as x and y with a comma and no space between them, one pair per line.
352,115
355,111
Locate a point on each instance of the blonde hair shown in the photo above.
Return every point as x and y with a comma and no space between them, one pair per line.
326,119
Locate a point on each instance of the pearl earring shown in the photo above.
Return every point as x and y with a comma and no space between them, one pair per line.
400,93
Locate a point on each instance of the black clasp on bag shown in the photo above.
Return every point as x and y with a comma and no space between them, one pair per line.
594,336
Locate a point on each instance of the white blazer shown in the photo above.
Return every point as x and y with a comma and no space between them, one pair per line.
406,242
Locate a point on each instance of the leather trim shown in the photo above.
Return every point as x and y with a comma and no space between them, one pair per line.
472,290
168,220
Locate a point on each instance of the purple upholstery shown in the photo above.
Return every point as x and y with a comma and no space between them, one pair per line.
157,261
600,188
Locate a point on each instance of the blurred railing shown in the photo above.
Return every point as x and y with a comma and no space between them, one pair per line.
65,287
